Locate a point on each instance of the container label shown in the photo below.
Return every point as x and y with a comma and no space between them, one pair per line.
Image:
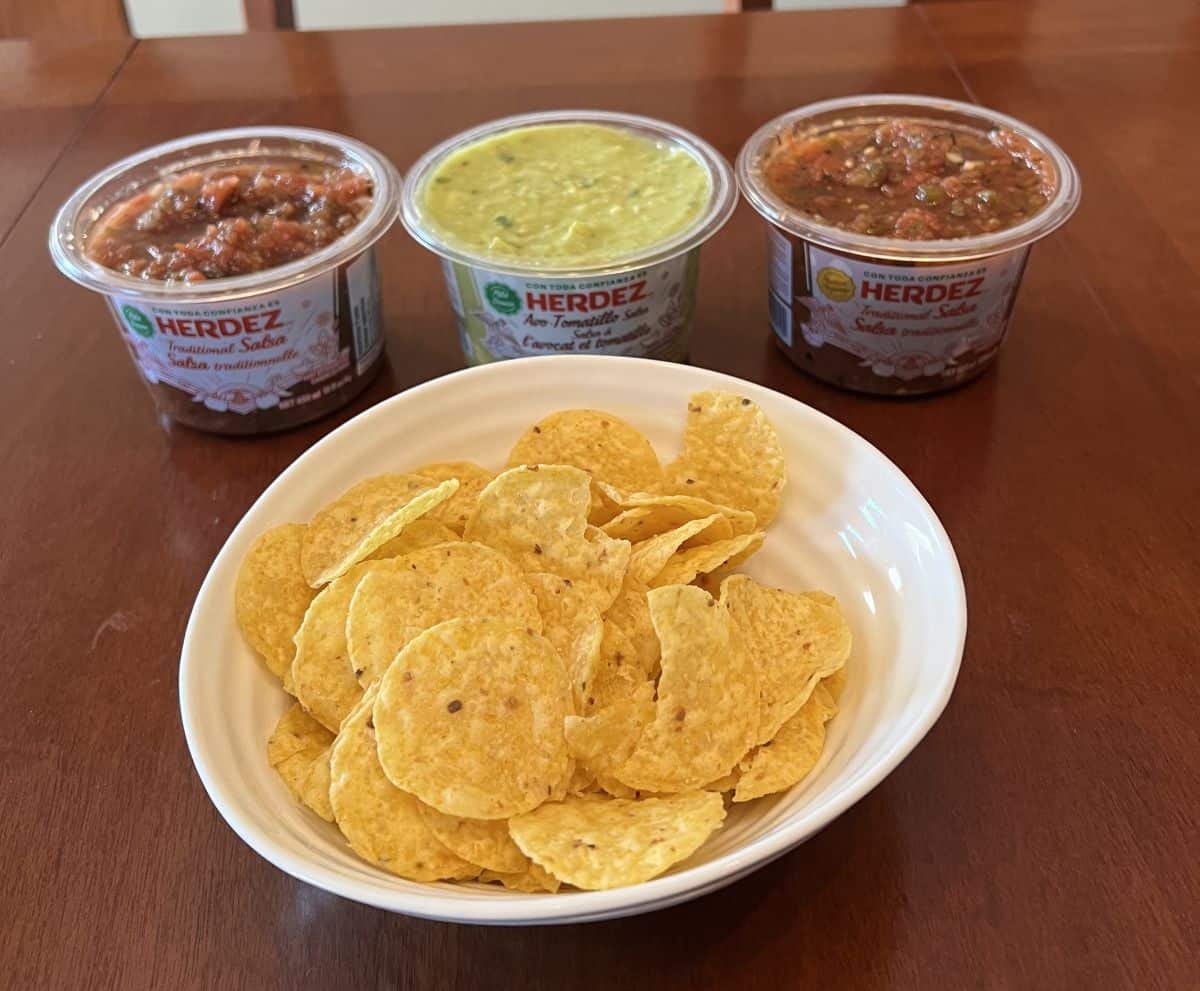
273,351
362,292
927,322
647,312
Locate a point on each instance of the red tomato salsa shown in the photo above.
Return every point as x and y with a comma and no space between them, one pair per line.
911,179
229,220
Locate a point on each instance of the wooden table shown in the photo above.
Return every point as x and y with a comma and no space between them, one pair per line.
1043,836
47,92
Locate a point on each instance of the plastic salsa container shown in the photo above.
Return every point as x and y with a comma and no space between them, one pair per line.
639,302
883,314
246,353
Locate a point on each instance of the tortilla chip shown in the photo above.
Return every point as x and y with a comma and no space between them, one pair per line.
711,581
643,516
314,789
405,596
615,673
597,843
601,742
603,445
363,519
383,824
298,749
788,758
835,684
794,640
470,719
532,880
707,712
685,566
572,625
726,783
537,518
582,781
271,595
321,674
648,558
481,841
631,613
419,534
472,479
731,456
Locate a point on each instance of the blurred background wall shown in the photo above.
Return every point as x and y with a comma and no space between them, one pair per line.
159,18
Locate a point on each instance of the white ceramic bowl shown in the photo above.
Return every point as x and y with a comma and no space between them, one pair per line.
850,523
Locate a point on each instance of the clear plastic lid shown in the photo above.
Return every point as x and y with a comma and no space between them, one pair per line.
817,118
721,202
237,146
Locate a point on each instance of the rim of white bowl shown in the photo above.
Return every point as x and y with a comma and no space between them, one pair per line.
511,908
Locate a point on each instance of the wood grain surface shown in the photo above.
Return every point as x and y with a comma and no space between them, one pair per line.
56,19
1044,834
47,90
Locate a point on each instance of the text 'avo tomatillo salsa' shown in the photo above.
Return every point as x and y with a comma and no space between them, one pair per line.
570,233
898,232
240,269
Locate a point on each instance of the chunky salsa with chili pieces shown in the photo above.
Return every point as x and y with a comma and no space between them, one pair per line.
910,179
229,220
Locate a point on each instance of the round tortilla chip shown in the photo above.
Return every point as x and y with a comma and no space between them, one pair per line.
731,456
321,674
532,880
481,841
605,502
631,613
596,843
383,824
688,564
566,610
648,558
421,533
710,581
407,595
470,719
835,684
581,782
271,595
724,783
364,518
793,639
791,755
706,717
600,742
643,516
472,479
314,787
604,445
571,623
536,516
298,750
615,673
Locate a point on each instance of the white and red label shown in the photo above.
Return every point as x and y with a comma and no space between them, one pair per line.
902,321
645,312
272,351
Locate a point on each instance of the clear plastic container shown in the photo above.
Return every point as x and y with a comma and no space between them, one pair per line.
637,304
884,315
250,353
